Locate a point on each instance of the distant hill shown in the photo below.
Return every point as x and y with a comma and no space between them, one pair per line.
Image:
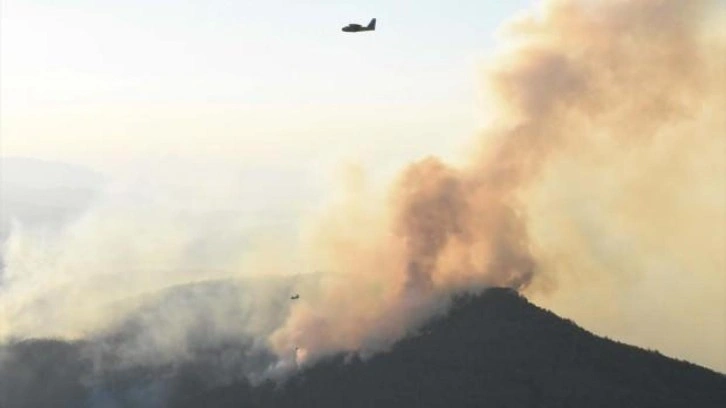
43,193
491,350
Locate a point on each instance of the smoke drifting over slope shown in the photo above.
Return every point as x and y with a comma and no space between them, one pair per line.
627,85
603,169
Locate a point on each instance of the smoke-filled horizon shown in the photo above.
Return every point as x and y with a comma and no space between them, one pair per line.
597,190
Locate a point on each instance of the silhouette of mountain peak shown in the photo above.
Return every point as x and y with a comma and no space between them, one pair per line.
496,350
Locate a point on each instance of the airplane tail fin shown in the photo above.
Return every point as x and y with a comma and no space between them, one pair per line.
372,24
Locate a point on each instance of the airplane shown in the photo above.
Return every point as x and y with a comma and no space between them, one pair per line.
355,28
295,296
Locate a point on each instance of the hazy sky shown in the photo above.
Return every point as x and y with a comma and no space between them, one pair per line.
102,83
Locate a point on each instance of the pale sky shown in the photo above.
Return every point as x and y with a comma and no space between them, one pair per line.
105,83
238,110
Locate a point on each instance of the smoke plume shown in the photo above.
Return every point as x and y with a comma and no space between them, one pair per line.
615,106
597,189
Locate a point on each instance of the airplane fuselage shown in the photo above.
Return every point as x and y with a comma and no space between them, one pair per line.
356,28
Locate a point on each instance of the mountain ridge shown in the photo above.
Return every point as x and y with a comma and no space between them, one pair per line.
495,349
